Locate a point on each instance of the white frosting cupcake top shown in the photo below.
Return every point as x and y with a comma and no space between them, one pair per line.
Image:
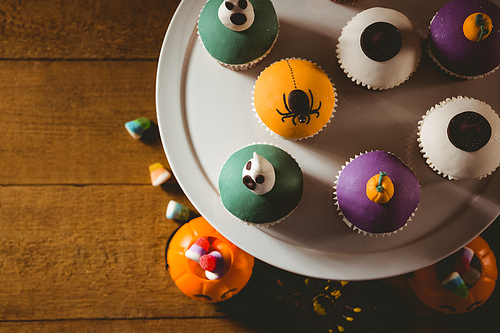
378,74
445,157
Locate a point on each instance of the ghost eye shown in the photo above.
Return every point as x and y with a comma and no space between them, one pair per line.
243,4
249,165
249,183
229,5
259,179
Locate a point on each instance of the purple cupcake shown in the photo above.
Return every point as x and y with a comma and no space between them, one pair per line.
464,38
376,193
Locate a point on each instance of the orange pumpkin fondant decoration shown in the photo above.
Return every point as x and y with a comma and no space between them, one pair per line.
190,278
428,288
477,27
380,188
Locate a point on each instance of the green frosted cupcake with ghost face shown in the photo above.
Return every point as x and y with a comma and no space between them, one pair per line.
238,33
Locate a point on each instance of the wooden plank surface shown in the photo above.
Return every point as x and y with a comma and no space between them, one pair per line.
84,29
207,325
102,245
82,231
65,122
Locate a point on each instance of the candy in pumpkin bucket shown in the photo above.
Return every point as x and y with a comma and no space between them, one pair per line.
204,265
459,283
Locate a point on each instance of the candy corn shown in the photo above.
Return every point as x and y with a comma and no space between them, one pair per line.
455,284
137,127
159,174
463,257
177,211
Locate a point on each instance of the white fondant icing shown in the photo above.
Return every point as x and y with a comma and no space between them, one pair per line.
442,156
260,167
374,74
225,14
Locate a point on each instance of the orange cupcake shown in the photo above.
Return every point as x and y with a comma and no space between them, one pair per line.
294,98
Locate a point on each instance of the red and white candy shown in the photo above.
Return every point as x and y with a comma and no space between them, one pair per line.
213,264
198,249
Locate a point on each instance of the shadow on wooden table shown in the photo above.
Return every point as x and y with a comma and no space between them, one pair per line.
278,301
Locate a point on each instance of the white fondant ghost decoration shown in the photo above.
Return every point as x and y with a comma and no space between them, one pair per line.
237,15
258,175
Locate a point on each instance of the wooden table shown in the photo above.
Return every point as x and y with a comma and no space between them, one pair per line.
82,230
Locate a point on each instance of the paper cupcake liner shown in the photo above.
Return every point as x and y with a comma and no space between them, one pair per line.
238,67
364,84
260,225
352,226
271,132
449,73
421,147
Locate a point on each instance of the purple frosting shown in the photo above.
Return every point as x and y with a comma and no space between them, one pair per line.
367,215
453,50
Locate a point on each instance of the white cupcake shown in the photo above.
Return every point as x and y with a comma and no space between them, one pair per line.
460,138
379,48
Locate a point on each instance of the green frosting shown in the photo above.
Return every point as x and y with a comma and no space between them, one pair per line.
237,48
275,204
380,188
482,25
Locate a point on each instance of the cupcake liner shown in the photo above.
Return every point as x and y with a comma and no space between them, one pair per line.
449,73
347,222
344,1
238,67
426,157
260,225
361,82
271,132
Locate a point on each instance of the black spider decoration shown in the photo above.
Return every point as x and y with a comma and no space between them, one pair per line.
299,107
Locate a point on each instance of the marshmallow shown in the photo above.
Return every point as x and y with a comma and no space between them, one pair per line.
195,252
213,264
198,249
472,276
